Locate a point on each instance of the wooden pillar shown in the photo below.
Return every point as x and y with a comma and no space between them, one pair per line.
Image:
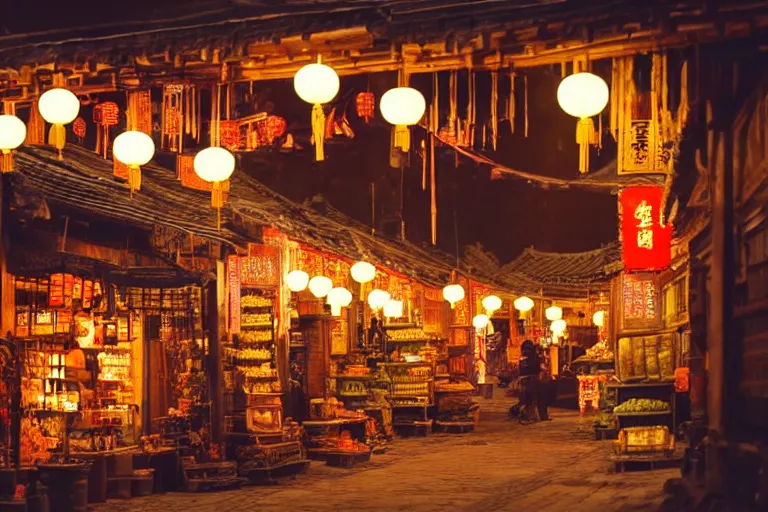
7,292
214,355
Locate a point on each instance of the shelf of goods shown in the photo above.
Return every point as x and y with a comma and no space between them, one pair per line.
644,404
411,393
249,363
353,386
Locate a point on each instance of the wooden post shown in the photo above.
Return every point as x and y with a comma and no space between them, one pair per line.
214,355
722,345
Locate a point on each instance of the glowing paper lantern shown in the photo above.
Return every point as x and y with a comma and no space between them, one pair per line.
339,298
558,327
393,309
377,299
480,321
134,149
317,84
491,303
320,286
13,131
599,318
58,107
297,280
215,165
363,272
453,293
583,95
402,107
523,304
553,313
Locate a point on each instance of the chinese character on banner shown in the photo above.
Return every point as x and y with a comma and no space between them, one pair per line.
646,243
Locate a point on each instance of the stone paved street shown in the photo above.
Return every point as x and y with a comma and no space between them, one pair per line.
504,466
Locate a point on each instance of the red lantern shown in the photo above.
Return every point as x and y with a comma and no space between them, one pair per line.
230,135
646,243
106,114
274,127
79,128
366,106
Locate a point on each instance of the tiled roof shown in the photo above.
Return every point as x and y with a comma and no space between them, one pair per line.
573,269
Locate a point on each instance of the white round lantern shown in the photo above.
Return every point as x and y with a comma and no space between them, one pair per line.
553,313
582,95
523,304
133,148
13,131
339,298
297,280
558,327
320,286
58,106
599,318
363,272
453,293
393,309
378,298
491,303
316,83
403,106
480,321
214,164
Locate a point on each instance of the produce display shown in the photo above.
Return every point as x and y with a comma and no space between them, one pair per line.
262,371
642,405
255,301
353,388
248,356
259,336
256,320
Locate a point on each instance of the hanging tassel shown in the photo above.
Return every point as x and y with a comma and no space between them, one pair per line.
585,135
134,178
217,201
512,100
682,109
423,165
402,138
6,161
525,85
613,112
57,137
318,131
494,108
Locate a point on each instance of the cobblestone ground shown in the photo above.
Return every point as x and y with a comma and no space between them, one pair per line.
555,466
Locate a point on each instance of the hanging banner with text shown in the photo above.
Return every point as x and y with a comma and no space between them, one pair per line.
646,244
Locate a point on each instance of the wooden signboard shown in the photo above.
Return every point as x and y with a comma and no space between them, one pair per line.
233,281
262,268
639,302
340,335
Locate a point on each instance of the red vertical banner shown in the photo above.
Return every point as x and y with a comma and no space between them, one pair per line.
233,281
646,244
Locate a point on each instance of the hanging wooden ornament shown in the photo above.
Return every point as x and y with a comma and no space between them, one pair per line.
274,127
172,117
365,104
105,115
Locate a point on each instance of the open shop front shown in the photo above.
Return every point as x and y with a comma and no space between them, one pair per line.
112,372
370,352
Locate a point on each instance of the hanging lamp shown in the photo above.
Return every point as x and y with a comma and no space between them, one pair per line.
523,304
317,84
377,299
363,272
393,308
491,304
403,107
319,286
215,165
13,131
583,95
297,280
553,313
599,318
453,293
58,107
339,298
134,149
481,321
558,327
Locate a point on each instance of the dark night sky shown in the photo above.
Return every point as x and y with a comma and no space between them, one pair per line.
505,215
